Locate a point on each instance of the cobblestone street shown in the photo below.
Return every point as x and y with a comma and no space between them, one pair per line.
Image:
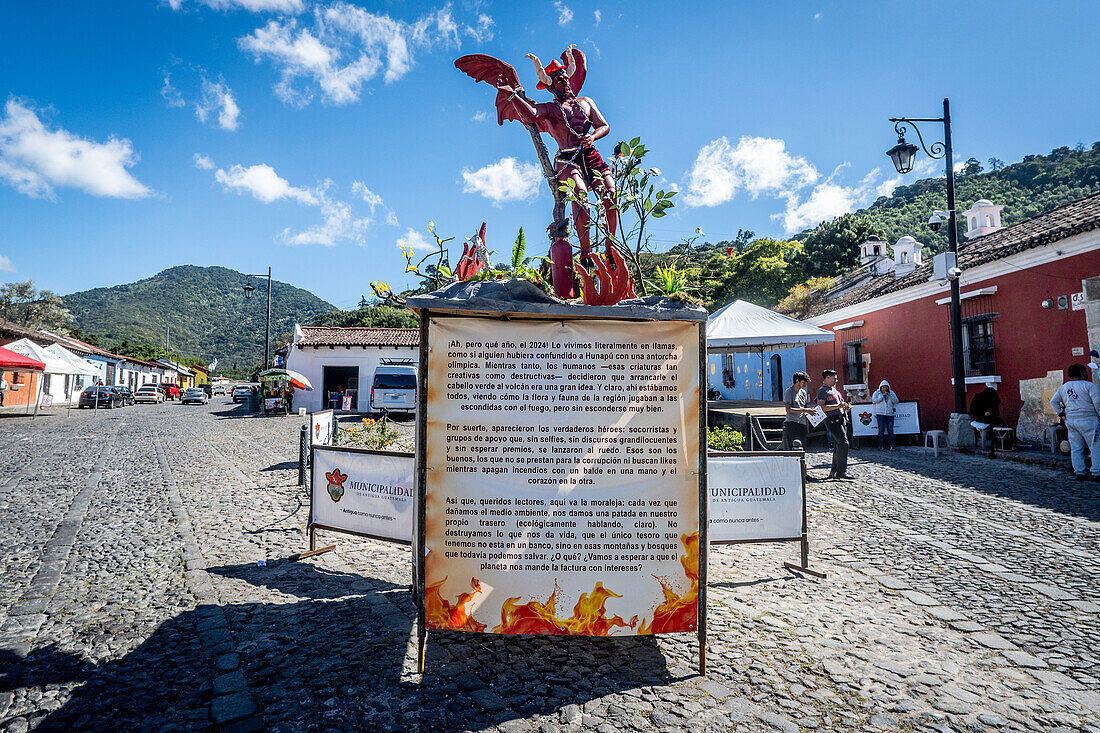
961,595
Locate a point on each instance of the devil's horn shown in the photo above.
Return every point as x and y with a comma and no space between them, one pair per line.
572,65
539,70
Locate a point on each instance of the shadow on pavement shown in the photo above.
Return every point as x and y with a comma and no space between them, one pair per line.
284,466
1040,486
337,662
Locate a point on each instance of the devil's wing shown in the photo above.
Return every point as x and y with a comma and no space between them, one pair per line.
488,69
480,67
576,81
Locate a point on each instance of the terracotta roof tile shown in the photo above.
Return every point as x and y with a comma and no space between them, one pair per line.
358,336
1065,221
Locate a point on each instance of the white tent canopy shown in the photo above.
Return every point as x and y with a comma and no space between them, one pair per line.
744,327
54,364
77,365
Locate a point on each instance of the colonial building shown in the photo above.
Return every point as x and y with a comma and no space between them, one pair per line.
1023,317
341,361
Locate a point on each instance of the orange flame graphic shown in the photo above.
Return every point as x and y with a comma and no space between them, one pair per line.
678,613
589,616
440,614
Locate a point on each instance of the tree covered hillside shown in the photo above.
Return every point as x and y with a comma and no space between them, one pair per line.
205,307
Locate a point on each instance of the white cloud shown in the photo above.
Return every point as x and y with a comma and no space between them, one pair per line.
374,201
286,7
598,16
347,46
504,181
264,184
339,223
171,95
480,116
217,96
416,241
6,264
35,160
565,15
825,202
758,165
817,16
203,162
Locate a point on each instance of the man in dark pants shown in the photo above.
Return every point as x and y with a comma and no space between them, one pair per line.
836,422
797,405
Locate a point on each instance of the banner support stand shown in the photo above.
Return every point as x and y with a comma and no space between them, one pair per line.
419,538
804,542
704,502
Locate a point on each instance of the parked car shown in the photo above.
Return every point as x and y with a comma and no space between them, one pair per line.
207,388
241,392
219,389
193,395
100,396
125,396
171,391
393,389
149,393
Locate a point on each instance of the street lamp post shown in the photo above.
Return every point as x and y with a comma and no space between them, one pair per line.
248,288
902,155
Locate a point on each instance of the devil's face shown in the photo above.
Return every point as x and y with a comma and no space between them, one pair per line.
559,85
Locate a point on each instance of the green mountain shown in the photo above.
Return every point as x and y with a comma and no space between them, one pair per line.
1033,186
204,308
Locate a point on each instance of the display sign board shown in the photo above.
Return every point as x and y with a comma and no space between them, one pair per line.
47,400
906,420
562,463
363,492
322,427
755,497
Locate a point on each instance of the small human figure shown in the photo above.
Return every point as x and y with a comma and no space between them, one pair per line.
986,407
836,422
796,403
3,388
886,406
1078,403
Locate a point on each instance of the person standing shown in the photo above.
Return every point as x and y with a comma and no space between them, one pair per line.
1078,401
796,402
836,422
3,388
886,406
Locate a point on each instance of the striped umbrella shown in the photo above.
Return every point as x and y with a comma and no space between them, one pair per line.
296,379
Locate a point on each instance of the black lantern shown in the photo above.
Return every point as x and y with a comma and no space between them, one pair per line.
902,154
248,289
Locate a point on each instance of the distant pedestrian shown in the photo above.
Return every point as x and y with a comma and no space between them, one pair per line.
886,407
1078,402
836,422
796,403
3,388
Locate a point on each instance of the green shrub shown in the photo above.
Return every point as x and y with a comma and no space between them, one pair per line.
727,439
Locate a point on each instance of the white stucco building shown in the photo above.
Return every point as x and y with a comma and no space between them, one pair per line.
341,361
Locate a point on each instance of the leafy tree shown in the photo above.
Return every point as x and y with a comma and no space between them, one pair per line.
379,315
23,304
972,167
996,164
762,273
832,247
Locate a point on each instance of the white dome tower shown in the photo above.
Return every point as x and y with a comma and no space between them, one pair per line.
982,218
906,256
871,250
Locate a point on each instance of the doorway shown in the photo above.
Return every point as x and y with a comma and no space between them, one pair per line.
342,381
776,364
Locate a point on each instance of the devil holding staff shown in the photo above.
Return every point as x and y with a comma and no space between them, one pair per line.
575,123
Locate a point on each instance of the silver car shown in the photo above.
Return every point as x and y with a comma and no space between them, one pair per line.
195,395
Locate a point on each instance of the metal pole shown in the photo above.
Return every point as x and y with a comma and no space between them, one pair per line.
953,240
267,330
704,505
303,447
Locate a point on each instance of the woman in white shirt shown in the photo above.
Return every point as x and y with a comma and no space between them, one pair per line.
886,404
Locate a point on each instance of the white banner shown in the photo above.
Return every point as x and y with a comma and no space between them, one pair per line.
906,420
562,493
754,497
364,493
322,427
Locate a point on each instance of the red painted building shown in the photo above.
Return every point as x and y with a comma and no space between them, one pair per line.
1023,315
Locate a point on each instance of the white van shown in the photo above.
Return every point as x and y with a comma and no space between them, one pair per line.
393,388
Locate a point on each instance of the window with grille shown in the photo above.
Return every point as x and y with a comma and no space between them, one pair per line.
853,362
978,356
729,375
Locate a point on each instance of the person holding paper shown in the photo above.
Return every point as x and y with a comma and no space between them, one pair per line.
1078,402
836,422
886,405
796,402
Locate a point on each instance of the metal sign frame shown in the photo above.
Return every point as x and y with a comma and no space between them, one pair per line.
419,532
803,539
313,527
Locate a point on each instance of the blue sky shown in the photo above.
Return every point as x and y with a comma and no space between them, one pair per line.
312,137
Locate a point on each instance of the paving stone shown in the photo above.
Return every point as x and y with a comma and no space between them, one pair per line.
921,599
992,720
227,708
1024,659
993,641
943,613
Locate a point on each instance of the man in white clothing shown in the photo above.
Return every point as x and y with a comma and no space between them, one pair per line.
1078,401
3,389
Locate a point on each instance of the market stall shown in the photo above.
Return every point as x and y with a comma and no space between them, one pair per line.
16,363
277,390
